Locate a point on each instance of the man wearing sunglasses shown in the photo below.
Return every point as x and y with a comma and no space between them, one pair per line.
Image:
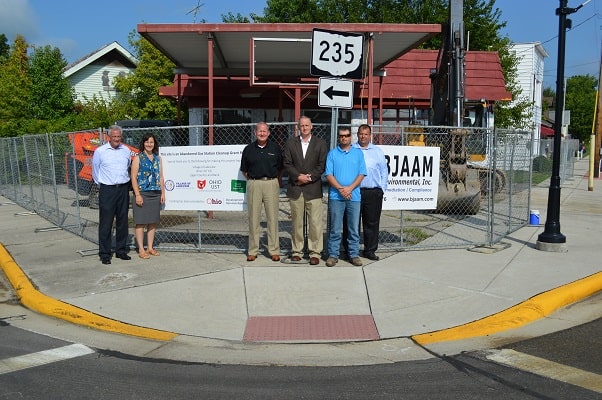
345,170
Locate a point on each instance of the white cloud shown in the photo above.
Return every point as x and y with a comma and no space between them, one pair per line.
17,17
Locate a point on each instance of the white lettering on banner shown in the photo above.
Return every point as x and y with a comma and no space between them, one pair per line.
413,182
204,178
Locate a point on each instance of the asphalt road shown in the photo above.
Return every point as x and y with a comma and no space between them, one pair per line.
79,372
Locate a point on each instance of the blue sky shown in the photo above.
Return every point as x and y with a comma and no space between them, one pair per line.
79,27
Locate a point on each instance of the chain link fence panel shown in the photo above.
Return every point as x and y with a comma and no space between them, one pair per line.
484,188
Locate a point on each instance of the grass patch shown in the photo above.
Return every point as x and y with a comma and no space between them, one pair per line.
414,236
524,177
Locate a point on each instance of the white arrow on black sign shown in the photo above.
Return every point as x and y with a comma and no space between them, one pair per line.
334,92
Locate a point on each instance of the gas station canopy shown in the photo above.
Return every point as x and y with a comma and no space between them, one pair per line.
280,52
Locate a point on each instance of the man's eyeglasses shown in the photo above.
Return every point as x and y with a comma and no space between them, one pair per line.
349,134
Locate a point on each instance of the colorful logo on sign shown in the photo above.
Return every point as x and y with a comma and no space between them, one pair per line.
201,184
238,185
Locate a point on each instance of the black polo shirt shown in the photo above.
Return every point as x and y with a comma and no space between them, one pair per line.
260,162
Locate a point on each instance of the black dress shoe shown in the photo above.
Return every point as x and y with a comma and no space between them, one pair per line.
106,261
123,257
371,256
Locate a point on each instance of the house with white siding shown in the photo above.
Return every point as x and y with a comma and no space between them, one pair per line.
530,78
93,74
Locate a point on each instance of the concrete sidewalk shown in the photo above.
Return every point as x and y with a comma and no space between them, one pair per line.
219,308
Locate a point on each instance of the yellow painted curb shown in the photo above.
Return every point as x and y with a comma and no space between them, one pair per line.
531,310
37,301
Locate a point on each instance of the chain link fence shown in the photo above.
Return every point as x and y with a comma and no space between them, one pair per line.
569,151
484,188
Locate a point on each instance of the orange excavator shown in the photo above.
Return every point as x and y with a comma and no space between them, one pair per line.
78,162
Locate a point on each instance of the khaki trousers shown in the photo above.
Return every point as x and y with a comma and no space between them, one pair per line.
315,231
267,194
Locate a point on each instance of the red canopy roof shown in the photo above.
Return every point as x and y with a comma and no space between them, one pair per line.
407,82
546,131
408,77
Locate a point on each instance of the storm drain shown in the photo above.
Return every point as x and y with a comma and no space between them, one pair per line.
308,328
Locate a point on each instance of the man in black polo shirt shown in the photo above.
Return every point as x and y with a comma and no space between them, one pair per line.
261,163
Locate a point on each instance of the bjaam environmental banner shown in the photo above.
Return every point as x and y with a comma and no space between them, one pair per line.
208,178
413,177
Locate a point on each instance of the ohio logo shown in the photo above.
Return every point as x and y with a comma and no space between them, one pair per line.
213,201
201,184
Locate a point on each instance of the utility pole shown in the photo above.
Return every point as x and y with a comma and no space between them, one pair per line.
596,137
552,239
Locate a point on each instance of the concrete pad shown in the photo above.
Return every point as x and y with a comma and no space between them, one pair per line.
539,272
211,305
306,291
437,315
455,268
403,306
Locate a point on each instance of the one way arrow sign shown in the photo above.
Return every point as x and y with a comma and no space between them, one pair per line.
334,92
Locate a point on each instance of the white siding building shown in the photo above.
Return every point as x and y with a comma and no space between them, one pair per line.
93,75
530,78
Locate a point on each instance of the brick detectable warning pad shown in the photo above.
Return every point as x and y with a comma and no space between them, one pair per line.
310,328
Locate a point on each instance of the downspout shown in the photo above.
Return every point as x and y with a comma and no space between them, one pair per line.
210,84
370,76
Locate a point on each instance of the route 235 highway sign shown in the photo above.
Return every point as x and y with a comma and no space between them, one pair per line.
337,54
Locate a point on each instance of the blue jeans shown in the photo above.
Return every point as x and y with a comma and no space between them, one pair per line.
350,210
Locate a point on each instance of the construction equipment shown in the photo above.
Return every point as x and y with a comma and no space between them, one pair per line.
78,162
463,160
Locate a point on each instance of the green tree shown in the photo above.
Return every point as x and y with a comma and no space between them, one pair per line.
138,93
238,18
580,100
4,48
15,89
482,19
52,96
295,11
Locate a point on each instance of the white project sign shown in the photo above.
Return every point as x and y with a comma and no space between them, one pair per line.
203,178
413,182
